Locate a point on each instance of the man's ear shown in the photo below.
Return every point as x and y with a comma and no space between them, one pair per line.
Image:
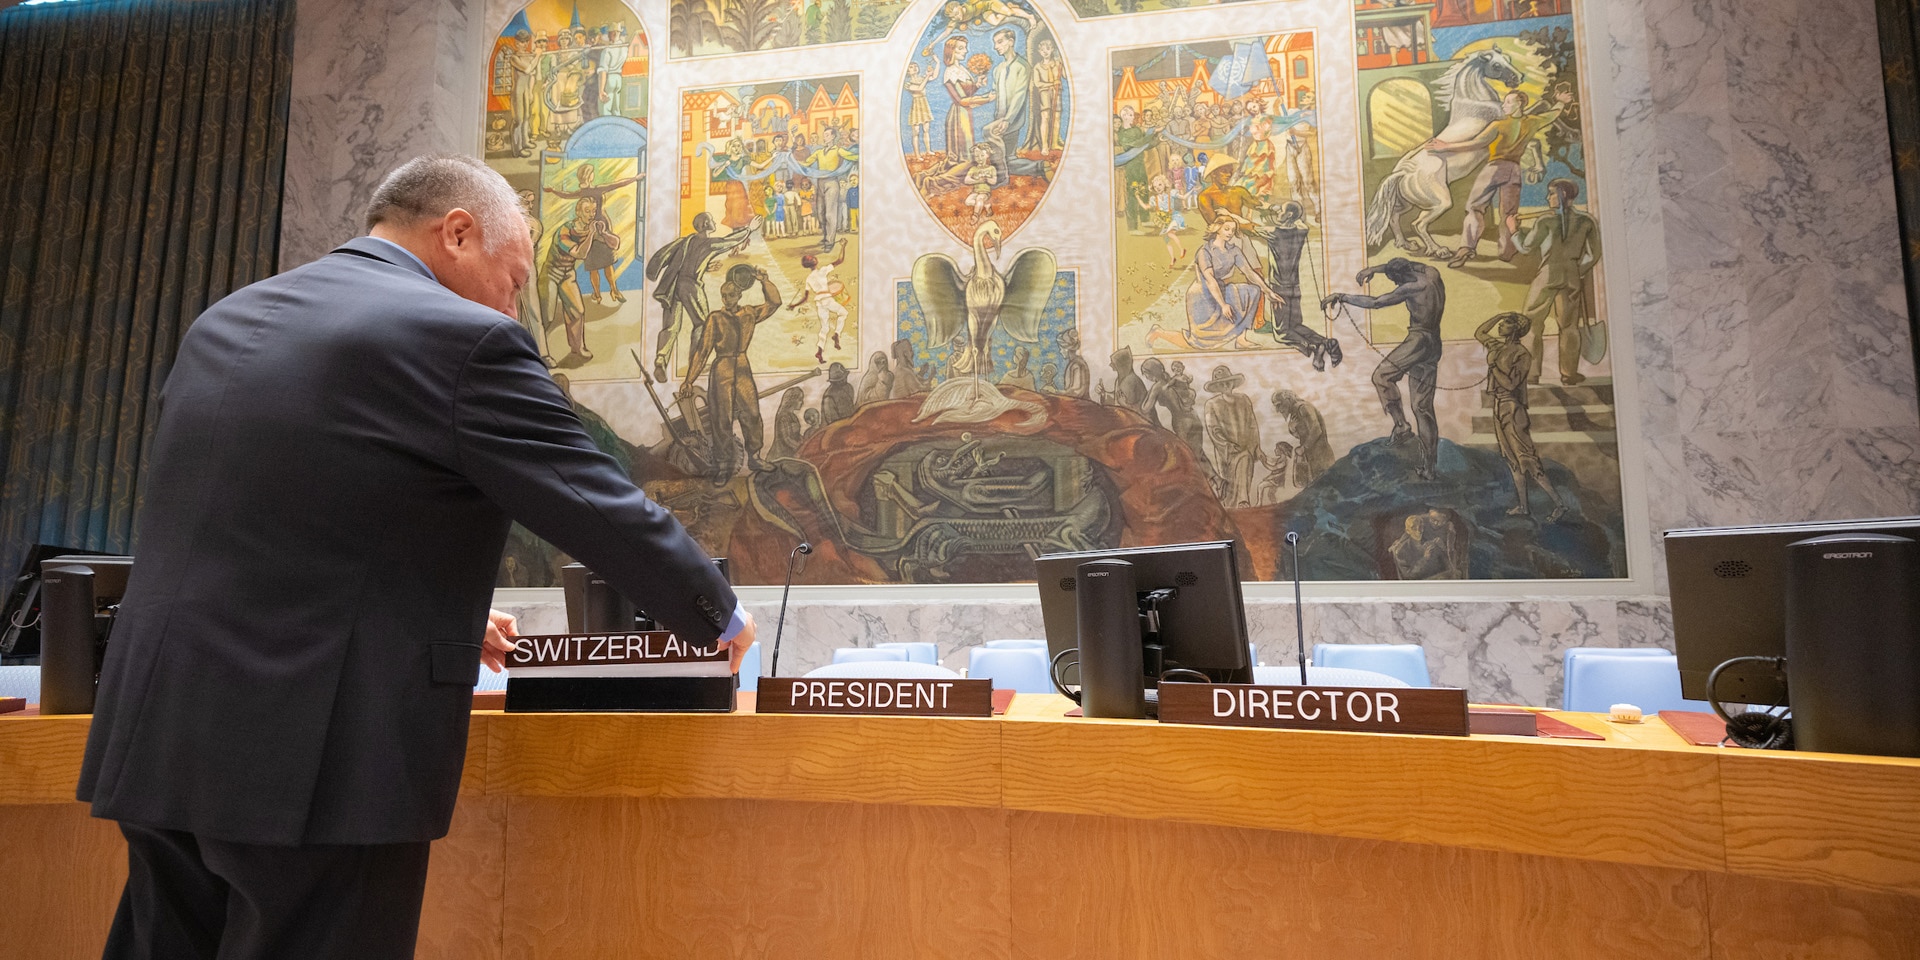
459,229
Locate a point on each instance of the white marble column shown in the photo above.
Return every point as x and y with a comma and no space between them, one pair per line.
374,83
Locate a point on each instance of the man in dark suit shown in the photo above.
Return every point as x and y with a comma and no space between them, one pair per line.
282,715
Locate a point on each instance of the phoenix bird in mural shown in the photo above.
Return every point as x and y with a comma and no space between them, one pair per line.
963,310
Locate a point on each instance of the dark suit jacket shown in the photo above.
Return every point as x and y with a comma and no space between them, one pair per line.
339,451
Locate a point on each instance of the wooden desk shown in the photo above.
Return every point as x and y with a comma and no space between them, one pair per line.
1031,835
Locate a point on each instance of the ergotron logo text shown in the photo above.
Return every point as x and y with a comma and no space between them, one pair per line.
1860,555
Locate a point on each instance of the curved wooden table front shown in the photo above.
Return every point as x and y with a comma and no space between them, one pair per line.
1032,835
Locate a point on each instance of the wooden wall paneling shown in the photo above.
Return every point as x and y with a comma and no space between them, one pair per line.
466,884
1099,888
63,871
695,879
889,760
1804,818
41,758
1555,798
1758,919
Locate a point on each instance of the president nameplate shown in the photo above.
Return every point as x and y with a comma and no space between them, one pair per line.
653,671
870,696
1436,711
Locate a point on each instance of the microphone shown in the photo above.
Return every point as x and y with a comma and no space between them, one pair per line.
1299,613
780,626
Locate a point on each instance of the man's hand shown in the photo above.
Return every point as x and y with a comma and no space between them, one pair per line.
501,629
737,647
1328,303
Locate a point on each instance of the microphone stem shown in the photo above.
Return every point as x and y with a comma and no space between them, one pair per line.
1299,612
780,626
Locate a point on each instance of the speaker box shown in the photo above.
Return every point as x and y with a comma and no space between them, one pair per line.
1853,644
1112,670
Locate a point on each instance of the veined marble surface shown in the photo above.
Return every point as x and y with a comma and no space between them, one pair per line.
375,82
1750,174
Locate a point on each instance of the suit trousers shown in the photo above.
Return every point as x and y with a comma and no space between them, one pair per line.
189,898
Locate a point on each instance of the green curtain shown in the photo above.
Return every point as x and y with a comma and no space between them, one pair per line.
1900,71
141,150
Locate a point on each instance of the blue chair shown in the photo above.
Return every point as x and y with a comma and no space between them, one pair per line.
750,669
1572,653
1022,670
490,680
916,652
1318,676
866,654
1253,654
885,669
1015,644
1595,682
20,680
1408,661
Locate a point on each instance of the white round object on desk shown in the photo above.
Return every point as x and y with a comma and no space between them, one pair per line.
1626,713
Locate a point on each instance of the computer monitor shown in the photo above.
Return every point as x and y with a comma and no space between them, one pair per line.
20,619
594,606
1729,600
1203,625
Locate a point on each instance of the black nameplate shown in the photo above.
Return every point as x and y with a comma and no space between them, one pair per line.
903,697
620,694
1438,711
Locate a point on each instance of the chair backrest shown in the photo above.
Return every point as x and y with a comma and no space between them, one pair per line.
1570,654
1020,669
886,669
1318,676
1595,682
916,652
1408,661
750,669
1015,644
20,680
490,680
865,654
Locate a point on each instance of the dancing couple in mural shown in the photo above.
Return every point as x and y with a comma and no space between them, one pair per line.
1216,158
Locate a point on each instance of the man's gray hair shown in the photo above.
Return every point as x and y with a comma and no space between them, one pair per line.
428,187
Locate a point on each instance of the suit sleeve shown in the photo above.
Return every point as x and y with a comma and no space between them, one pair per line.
520,442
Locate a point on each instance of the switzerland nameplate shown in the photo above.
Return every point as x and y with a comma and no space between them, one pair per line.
650,654
1440,711
876,695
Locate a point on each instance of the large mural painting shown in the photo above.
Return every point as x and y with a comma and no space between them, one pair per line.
1335,270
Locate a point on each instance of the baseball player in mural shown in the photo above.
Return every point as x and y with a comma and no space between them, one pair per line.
1417,358
677,269
1507,363
824,292
722,343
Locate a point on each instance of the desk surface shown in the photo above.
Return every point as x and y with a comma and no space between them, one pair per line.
1642,796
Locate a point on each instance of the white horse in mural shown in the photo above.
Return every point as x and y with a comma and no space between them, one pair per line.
1422,179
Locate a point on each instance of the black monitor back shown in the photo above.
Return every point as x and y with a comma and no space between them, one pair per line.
1729,599
20,620
1204,626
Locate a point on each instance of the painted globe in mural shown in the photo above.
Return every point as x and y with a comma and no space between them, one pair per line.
985,114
